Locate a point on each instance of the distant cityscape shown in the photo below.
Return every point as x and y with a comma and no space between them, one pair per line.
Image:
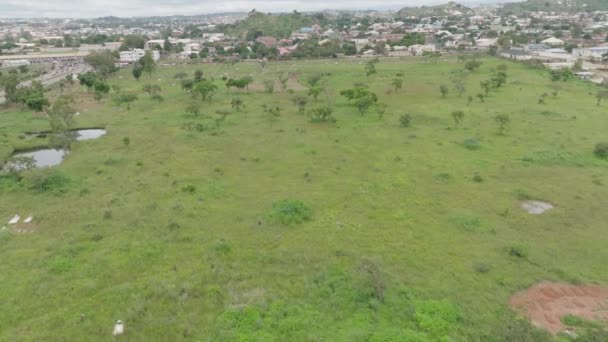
567,39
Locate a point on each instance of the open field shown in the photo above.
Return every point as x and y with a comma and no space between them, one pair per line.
172,233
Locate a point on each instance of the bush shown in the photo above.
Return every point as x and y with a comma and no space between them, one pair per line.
405,120
471,144
601,150
289,212
54,181
519,251
436,317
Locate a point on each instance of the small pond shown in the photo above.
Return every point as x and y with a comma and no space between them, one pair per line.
89,134
41,158
81,134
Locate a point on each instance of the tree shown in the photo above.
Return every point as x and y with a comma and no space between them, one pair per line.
237,103
503,121
147,63
193,109
370,68
397,84
61,118
458,116
11,82
481,97
315,92
152,89
187,85
137,71
444,90
405,120
206,89
472,65
34,99
198,75
101,88
104,62
365,102
601,150
300,102
180,75
132,41
283,78
602,94
121,98
322,114
167,46
87,79
269,86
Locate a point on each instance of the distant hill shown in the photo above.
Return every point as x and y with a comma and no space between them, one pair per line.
433,11
570,6
276,25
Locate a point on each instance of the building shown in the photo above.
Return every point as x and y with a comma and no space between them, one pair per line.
588,53
135,55
553,41
13,63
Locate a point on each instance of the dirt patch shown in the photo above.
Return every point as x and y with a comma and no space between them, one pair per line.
536,207
546,303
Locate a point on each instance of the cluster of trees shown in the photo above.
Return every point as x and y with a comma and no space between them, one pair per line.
145,65
93,82
239,83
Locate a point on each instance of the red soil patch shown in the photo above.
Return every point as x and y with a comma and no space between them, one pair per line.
546,303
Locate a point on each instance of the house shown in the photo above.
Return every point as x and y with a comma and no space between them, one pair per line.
267,41
536,47
588,53
516,54
418,50
135,55
553,41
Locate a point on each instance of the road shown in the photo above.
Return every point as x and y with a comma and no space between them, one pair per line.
56,75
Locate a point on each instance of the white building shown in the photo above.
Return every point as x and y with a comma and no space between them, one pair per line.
135,55
594,52
14,63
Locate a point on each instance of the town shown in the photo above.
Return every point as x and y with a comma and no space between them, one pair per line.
575,40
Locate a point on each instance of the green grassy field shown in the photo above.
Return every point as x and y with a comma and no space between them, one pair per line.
172,234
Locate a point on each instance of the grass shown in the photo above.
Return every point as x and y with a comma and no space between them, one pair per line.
393,240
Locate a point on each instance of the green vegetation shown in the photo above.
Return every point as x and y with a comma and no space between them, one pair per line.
363,215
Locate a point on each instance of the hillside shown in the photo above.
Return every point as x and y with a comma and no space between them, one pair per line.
433,11
569,6
276,25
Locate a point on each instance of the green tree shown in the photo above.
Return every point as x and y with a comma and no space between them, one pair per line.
121,98
457,116
104,62
147,63
206,89
397,84
61,118
237,103
137,71
300,102
444,90
503,121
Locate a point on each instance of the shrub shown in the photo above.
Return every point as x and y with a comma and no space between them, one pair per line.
53,181
601,150
289,212
481,267
519,251
471,144
477,178
405,120
436,317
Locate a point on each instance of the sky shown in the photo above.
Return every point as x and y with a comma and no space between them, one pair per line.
130,8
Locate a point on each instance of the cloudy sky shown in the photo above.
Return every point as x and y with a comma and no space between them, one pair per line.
128,8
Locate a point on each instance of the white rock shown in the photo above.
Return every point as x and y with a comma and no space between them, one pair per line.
119,328
14,220
28,219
